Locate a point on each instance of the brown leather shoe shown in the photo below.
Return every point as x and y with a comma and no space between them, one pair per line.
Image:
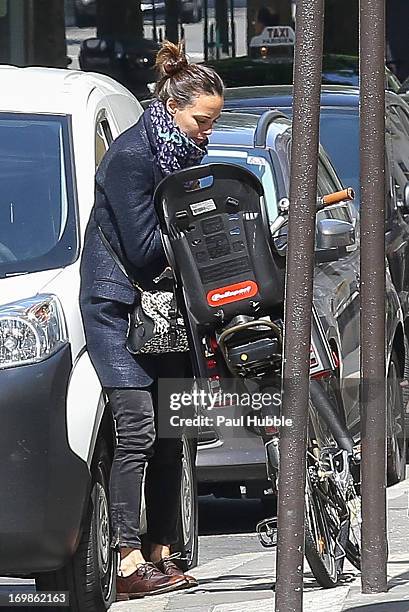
169,568
147,579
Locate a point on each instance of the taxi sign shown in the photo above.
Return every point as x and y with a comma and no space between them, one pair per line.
274,36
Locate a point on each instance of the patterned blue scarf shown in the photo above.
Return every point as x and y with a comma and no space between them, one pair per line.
175,150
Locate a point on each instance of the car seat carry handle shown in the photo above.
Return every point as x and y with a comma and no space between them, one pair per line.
184,183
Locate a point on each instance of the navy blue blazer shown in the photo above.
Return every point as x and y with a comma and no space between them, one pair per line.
124,188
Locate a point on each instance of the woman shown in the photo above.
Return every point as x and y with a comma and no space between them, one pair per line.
171,134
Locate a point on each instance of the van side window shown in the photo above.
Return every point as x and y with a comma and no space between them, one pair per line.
103,139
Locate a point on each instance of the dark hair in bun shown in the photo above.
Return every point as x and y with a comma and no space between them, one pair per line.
183,81
171,59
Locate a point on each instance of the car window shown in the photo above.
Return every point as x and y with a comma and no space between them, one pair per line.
327,179
404,117
37,213
339,134
325,182
256,162
399,154
392,81
333,179
328,182
103,139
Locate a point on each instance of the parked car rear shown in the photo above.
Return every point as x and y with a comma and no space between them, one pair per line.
228,460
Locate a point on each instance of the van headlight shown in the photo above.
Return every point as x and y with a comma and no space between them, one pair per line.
31,330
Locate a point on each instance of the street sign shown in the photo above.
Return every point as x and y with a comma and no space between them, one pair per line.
274,36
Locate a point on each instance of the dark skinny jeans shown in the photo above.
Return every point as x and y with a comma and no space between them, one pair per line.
136,419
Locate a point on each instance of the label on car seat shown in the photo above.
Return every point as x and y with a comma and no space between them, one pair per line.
202,207
232,293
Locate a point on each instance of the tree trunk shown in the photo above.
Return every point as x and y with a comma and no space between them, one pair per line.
120,19
172,20
46,33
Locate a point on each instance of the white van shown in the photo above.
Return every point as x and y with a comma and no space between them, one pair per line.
57,436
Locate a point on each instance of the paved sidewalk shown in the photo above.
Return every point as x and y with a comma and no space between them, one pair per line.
242,582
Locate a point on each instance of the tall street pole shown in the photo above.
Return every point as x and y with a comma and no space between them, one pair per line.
298,303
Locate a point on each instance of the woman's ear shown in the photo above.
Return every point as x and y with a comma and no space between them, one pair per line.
171,106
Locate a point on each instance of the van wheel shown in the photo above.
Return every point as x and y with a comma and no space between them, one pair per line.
188,542
90,575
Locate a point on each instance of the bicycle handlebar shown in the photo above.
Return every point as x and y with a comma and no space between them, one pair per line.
327,200
338,196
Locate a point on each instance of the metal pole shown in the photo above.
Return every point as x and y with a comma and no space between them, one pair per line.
30,33
232,29
298,304
373,405
18,50
205,30
212,42
154,32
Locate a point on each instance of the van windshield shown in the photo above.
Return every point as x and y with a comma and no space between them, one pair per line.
37,212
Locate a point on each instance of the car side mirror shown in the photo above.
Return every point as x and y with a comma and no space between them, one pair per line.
333,237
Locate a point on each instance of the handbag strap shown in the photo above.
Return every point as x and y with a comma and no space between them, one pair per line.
117,260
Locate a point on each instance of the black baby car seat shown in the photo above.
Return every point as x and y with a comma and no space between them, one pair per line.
216,236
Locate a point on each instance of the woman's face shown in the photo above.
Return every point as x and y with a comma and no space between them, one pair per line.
197,120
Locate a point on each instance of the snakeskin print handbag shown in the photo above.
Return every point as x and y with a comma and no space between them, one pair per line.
155,325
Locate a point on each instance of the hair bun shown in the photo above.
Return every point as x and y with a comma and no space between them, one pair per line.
171,59
173,66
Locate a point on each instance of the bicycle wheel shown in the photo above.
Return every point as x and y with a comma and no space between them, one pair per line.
353,548
326,529
344,479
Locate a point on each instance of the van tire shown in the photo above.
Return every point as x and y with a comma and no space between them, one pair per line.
90,574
